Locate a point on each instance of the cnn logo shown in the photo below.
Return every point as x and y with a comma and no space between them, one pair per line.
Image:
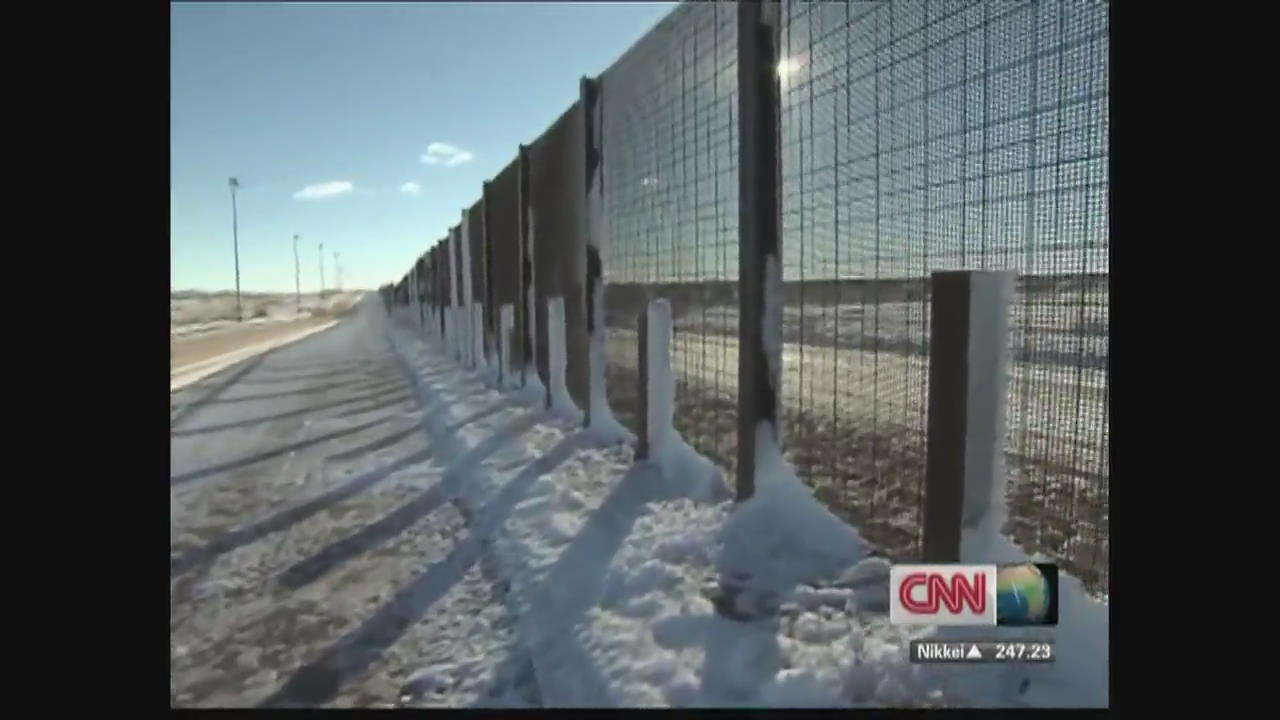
942,594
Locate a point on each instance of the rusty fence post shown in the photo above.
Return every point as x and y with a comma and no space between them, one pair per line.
759,236
969,340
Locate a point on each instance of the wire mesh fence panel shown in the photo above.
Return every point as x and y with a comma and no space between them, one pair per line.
502,214
1050,121
558,166
922,136
854,263
670,190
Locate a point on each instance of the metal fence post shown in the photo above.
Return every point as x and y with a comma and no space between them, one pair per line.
759,225
490,295
589,92
435,291
455,291
968,388
525,319
573,261
433,287
474,218
420,282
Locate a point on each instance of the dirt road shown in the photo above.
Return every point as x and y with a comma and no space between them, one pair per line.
195,348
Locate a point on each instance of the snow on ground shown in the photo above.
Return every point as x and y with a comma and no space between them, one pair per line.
439,543
613,573
316,557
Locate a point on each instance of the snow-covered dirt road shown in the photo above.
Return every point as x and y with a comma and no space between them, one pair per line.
315,559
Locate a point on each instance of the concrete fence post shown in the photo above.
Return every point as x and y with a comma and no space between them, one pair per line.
759,233
969,337
557,354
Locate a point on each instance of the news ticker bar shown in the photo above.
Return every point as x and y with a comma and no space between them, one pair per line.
982,651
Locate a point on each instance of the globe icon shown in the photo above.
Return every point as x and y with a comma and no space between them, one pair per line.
1022,595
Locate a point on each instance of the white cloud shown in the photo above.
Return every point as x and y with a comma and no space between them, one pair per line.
324,190
410,188
439,153
458,159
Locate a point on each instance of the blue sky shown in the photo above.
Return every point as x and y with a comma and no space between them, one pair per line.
367,127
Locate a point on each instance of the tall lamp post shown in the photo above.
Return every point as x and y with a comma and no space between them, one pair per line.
321,271
297,273
337,269
235,243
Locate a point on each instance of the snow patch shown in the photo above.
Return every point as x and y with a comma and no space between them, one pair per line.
610,587
1079,676
684,469
429,680
782,536
534,393
796,688
450,330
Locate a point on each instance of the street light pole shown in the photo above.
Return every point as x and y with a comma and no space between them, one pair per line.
235,242
337,270
297,273
322,271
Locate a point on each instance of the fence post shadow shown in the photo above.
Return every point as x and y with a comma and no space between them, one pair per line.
320,680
